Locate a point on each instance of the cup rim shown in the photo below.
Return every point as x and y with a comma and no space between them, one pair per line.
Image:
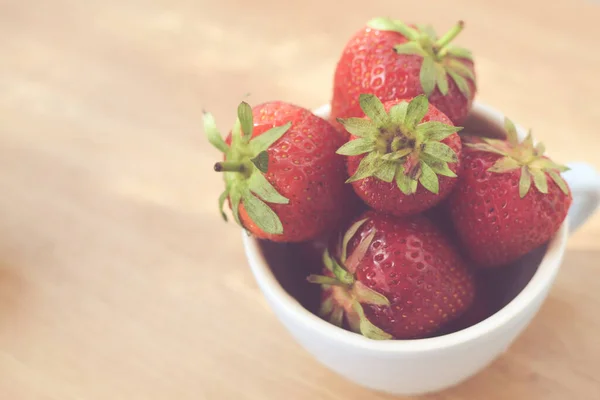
541,280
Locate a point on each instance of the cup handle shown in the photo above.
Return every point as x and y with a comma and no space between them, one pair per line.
584,181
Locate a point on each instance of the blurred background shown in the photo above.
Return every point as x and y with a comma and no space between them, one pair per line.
118,279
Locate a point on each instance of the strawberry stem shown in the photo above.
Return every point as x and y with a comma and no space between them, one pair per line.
230,166
450,35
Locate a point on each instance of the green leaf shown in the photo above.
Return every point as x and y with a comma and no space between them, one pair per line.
358,126
560,182
403,181
356,147
261,161
387,24
324,280
213,134
373,108
440,151
359,252
349,235
441,79
264,141
540,149
366,295
460,52
244,113
397,143
511,132
461,83
367,328
416,111
326,307
428,75
397,154
504,164
259,185
441,168
341,274
262,215
548,164
398,113
382,24
427,30
539,180
385,171
527,144
327,261
461,69
222,199
406,31
413,185
337,316
413,48
561,168
486,147
435,130
524,181
236,133
366,167
429,179
235,195
497,143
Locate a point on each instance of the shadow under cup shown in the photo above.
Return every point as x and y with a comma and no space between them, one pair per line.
292,263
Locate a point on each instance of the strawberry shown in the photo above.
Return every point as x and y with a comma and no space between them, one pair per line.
481,309
403,156
392,60
283,178
478,312
497,213
391,277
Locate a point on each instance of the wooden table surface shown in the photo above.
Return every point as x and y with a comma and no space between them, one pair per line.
118,280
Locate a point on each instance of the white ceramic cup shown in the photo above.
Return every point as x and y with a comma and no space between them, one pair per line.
412,367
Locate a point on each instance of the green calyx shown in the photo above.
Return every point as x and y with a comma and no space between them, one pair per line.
526,157
441,61
347,294
246,162
398,146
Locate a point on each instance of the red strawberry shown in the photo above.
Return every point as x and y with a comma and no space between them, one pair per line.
398,145
392,60
394,277
497,212
284,181
480,310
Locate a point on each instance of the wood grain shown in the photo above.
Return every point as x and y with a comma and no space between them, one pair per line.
117,278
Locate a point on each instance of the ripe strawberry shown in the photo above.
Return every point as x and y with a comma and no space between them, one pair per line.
284,181
496,212
478,312
394,277
398,145
392,60
481,309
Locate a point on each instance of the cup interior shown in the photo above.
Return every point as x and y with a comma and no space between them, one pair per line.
290,265
509,288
